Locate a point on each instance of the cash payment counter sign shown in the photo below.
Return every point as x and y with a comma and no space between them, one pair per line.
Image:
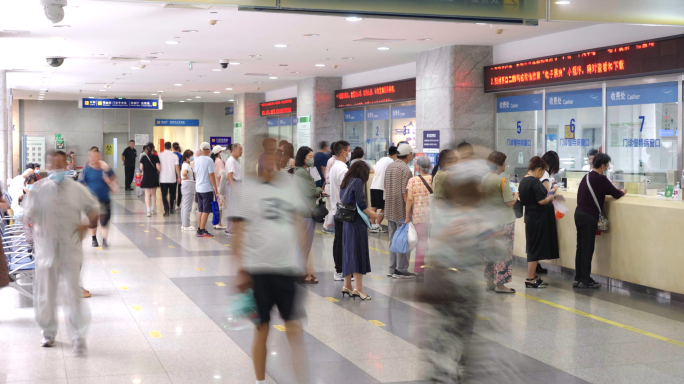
109,149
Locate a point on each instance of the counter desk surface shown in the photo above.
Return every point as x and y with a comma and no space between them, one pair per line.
644,244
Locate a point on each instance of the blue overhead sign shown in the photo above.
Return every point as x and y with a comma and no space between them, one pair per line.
377,114
588,98
353,115
272,122
519,103
223,141
642,94
229,111
407,112
176,123
120,104
284,121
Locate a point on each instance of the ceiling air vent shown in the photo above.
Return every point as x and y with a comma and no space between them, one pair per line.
377,40
186,6
257,74
119,58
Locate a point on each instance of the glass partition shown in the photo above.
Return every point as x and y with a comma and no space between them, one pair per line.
642,136
519,131
354,123
272,124
377,135
573,128
404,123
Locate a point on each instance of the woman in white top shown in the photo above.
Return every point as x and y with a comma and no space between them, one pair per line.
233,181
187,190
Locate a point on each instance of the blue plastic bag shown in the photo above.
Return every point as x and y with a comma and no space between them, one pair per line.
400,240
242,311
363,217
216,212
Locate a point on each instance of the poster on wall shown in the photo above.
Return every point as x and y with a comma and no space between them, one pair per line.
34,150
237,133
223,141
141,139
431,141
303,131
404,125
60,145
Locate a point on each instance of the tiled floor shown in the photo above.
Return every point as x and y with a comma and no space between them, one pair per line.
158,306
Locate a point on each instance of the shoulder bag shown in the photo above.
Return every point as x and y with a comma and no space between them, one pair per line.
319,212
346,211
426,184
602,221
518,206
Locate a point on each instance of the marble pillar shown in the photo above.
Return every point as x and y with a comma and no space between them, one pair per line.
10,132
316,97
253,128
450,95
4,120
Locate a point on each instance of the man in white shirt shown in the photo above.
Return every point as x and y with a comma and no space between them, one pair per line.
233,181
377,189
169,177
205,187
337,172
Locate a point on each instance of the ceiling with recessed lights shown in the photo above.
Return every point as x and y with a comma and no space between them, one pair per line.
142,50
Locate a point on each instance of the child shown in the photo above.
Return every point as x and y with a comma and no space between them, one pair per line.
138,181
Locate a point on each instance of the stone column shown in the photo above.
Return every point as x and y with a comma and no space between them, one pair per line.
450,95
4,119
316,97
10,142
253,128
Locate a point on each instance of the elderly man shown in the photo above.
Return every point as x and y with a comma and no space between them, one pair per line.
55,206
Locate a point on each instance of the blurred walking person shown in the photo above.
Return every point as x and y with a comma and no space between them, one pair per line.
268,224
188,187
150,166
55,207
232,183
447,158
100,179
418,209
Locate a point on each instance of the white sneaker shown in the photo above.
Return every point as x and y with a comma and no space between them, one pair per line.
220,226
338,277
381,229
190,228
375,230
149,214
79,347
47,342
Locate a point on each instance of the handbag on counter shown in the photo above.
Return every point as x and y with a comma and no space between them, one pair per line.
346,211
602,220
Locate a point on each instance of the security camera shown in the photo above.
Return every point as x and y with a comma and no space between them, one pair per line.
224,63
55,61
54,9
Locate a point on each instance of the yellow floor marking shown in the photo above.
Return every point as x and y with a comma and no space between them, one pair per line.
227,245
323,233
281,328
171,246
155,334
146,231
221,284
332,299
379,250
601,319
124,287
159,238
142,225
482,317
413,260
115,272
376,277
137,308
200,269
99,248
378,323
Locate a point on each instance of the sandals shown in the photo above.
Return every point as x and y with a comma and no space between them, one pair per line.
499,290
310,279
536,282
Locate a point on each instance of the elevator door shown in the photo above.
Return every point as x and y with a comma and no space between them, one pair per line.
114,145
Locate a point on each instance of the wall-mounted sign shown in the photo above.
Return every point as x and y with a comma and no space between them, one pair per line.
642,94
519,103
120,104
588,98
176,123
230,111
350,116
377,114
278,107
237,133
374,94
60,145
34,150
303,131
431,141
219,140
141,138
621,61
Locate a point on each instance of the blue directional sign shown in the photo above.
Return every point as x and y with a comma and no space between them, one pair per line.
121,104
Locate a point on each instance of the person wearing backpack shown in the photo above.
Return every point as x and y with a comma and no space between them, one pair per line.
591,195
418,209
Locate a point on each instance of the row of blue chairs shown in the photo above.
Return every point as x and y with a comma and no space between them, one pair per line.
18,252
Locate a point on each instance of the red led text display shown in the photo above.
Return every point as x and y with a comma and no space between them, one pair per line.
631,60
279,107
374,94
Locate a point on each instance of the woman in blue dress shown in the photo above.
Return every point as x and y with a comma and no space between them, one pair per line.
355,256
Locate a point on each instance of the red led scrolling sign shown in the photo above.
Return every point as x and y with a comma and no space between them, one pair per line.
375,94
630,60
278,107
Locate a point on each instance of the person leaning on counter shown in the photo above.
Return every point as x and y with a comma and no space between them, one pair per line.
587,215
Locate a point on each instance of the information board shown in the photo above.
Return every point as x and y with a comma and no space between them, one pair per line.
431,141
278,107
223,141
120,104
375,94
34,150
141,138
237,133
304,131
177,122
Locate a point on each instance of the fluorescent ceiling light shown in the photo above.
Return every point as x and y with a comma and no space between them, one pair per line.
198,97
347,58
234,63
229,89
354,18
57,39
217,92
44,89
312,35
178,85
295,72
182,101
320,65
91,97
480,23
135,67
160,91
562,2
189,30
383,48
157,53
273,77
189,99
231,100
171,42
103,90
145,61
216,70
61,26
280,45
154,94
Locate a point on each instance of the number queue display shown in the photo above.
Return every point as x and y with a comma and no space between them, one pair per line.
653,57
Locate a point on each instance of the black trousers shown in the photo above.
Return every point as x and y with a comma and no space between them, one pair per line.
180,195
337,245
130,172
587,226
167,188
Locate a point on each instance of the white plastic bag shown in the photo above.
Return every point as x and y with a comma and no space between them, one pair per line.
412,237
560,209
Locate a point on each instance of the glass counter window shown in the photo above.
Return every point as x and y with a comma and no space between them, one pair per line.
272,124
377,133
404,123
642,136
354,127
519,130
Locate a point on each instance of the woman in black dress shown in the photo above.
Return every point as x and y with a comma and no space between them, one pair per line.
355,256
150,166
540,221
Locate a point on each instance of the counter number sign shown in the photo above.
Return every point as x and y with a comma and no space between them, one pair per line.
519,128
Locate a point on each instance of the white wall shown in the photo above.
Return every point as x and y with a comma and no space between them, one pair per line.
382,75
595,36
280,94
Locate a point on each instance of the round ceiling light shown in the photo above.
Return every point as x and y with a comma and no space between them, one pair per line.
354,18
383,48
320,65
280,45
172,42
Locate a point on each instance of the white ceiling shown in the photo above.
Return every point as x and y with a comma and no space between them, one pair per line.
100,30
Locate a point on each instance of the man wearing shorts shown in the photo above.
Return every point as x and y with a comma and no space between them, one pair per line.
377,189
205,187
267,223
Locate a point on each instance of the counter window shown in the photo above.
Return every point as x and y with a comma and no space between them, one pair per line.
519,130
642,136
377,134
404,123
